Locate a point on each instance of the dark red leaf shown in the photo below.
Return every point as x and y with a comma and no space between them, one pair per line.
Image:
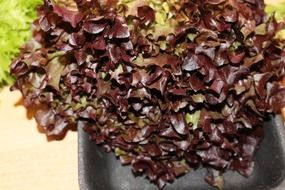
179,124
146,14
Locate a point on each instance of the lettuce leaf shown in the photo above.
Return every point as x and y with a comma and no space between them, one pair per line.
277,8
15,28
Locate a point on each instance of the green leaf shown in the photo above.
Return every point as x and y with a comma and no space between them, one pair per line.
261,29
277,9
193,118
165,7
160,17
15,28
191,36
119,152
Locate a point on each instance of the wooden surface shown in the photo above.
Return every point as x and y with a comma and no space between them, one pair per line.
27,160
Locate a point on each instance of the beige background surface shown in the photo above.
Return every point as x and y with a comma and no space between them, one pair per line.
27,160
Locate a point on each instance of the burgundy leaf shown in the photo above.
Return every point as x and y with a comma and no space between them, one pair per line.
179,124
119,30
146,14
69,16
94,28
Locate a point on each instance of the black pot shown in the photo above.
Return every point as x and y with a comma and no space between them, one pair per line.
102,171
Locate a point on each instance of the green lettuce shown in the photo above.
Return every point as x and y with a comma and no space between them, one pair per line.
278,9
15,28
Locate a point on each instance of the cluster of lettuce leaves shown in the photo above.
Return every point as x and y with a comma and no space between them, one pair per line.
168,86
15,29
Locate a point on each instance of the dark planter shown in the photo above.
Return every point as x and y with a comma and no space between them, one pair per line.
102,171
